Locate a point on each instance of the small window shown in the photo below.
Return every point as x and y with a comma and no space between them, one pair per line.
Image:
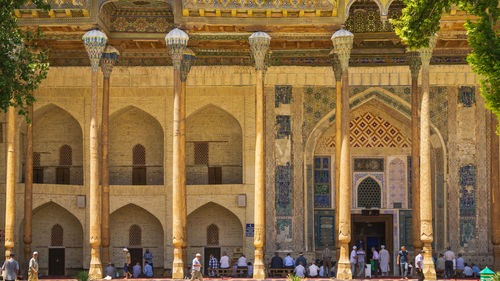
369,194
201,153
65,155
214,175
212,235
135,235
56,235
139,155
139,165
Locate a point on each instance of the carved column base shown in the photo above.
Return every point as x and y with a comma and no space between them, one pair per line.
429,270
178,270
95,271
259,270
344,266
496,258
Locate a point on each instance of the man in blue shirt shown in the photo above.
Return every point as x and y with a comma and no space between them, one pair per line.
288,262
402,261
148,258
301,259
213,265
148,270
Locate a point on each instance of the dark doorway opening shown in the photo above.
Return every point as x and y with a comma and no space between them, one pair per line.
136,256
206,257
62,175
56,261
372,231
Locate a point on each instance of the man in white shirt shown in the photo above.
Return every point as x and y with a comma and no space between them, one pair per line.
449,256
419,265
242,264
361,254
353,260
224,261
376,260
300,270
288,262
196,268
313,270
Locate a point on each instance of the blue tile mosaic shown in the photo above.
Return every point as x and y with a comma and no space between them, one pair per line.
467,230
284,193
283,126
468,175
405,229
282,95
467,203
321,176
466,96
284,232
324,224
322,201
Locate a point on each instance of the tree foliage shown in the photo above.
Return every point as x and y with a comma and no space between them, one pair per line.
22,65
421,18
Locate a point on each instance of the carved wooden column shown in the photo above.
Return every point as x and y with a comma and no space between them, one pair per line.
109,58
28,187
94,41
342,43
426,231
176,41
259,45
337,70
10,183
495,194
415,63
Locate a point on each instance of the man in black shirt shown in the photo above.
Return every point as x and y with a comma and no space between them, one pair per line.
276,261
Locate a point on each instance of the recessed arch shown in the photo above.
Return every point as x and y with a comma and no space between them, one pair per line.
214,147
350,2
132,129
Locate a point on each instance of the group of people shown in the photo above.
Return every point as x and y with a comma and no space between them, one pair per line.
300,267
452,266
132,270
240,268
11,269
380,260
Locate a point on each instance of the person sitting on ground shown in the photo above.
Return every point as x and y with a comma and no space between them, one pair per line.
300,270
136,271
476,270
110,271
301,259
313,270
250,269
288,261
148,270
468,271
321,270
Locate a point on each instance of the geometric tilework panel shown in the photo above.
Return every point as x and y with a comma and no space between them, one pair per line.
369,194
467,203
324,225
284,234
397,182
405,229
466,96
318,101
282,95
322,182
284,192
283,126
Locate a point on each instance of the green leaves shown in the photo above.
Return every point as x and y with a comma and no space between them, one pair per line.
22,65
421,18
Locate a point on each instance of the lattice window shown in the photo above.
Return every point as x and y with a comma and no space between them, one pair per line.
65,155
212,235
322,182
369,194
56,235
201,153
139,155
135,235
36,159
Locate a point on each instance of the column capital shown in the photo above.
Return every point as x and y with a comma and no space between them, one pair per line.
259,45
176,41
108,60
414,62
426,53
187,61
342,43
337,68
95,42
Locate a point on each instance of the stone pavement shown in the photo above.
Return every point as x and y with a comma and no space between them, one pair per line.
270,279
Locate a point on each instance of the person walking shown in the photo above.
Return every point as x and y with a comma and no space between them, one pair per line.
361,261
376,261
213,265
402,261
327,260
419,265
449,257
33,268
353,259
126,264
196,268
384,261
10,268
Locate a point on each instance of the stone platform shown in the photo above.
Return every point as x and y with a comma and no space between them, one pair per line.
270,279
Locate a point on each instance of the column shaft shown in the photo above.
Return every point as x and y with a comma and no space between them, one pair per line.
95,271
28,187
415,165
10,204
260,196
179,178
183,166
105,170
426,231
495,194
344,266
338,146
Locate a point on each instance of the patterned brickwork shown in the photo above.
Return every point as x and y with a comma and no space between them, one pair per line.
284,194
318,101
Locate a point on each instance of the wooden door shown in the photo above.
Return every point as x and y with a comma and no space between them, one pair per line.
62,175
214,175
56,261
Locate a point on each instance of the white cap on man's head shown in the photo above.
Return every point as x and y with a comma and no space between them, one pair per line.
35,253
198,255
383,246
354,247
125,249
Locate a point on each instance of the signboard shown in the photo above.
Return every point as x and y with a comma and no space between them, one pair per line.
250,229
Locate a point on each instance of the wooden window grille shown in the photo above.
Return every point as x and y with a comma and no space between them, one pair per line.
212,235
139,155
65,155
201,153
37,169
56,235
36,159
369,194
135,235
